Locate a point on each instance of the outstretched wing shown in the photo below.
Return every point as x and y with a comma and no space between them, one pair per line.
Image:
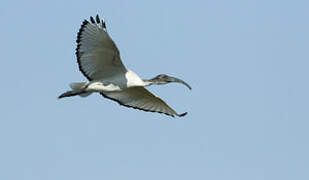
140,98
97,54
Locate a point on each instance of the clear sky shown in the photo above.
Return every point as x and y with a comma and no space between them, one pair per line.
247,62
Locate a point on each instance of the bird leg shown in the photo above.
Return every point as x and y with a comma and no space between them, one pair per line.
71,93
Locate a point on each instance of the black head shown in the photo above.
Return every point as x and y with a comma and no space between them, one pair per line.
164,79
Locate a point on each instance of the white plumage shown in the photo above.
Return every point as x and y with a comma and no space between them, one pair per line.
99,61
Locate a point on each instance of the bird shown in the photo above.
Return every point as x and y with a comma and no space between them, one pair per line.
99,61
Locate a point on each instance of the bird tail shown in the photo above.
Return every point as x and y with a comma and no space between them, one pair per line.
77,86
77,89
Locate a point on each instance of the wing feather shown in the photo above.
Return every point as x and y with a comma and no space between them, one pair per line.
140,98
97,55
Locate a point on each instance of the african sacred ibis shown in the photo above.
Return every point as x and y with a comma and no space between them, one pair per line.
99,60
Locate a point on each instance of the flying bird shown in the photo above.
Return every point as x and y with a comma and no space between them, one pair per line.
99,61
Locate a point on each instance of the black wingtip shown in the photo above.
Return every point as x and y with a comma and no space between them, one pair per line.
92,20
61,96
97,18
103,24
183,114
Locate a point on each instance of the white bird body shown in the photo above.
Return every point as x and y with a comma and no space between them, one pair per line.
99,60
111,84
101,87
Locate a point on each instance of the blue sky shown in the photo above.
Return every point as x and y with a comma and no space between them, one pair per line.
247,62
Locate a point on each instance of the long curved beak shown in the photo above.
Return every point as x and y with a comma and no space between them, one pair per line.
173,79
